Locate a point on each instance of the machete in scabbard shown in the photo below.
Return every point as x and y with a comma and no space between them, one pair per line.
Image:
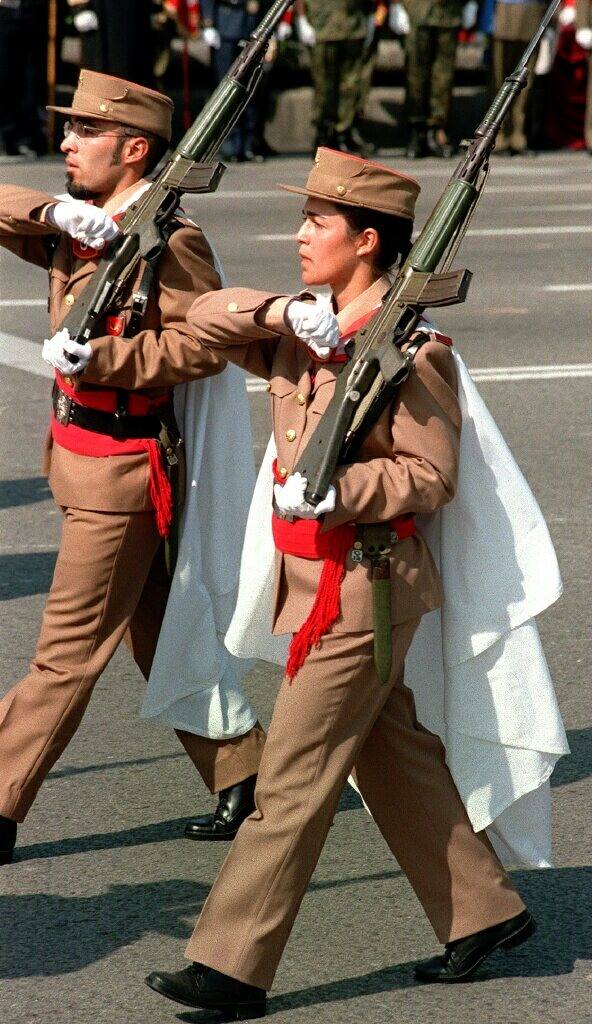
377,367
143,228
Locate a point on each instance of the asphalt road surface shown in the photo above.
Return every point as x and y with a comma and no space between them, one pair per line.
104,888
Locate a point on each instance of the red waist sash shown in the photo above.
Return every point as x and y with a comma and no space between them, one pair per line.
87,442
305,538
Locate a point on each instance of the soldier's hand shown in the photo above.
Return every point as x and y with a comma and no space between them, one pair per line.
58,352
289,498
315,324
584,38
86,21
211,37
398,20
306,32
88,224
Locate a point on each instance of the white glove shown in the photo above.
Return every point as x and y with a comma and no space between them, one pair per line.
566,16
57,350
88,224
546,52
398,20
211,38
469,15
283,31
315,324
584,38
289,498
306,32
86,21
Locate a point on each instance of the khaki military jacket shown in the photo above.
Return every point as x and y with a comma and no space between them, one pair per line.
407,464
162,354
338,20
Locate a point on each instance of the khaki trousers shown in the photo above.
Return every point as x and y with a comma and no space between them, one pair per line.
336,716
109,583
505,56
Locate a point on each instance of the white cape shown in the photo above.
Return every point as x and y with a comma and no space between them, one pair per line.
476,666
195,682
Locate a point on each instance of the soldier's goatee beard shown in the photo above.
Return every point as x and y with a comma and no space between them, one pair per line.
79,191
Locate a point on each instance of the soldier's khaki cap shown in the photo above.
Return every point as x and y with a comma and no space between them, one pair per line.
105,98
352,181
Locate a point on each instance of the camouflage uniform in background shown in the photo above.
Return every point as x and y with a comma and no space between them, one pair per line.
431,53
341,27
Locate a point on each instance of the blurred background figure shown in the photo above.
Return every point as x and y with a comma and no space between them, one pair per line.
431,58
514,24
564,123
583,38
224,25
336,31
23,43
377,22
116,37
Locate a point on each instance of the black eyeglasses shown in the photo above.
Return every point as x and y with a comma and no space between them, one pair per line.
88,131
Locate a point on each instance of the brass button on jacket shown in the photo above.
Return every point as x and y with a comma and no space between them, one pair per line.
300,398
290,435
69,299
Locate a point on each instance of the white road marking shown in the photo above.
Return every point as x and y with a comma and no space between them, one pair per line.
22,354
550,229
23,302
567,288
494,374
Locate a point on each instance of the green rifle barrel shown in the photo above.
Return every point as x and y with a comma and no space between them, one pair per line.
211,127
440,228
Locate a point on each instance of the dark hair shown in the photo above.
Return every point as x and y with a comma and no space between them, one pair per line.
393,232
157,147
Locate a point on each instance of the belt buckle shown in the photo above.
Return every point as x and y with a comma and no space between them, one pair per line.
63,407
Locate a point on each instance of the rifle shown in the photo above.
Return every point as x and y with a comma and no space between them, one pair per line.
143,232
378,367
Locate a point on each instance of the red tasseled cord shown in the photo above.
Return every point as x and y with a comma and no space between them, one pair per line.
326,606
160,489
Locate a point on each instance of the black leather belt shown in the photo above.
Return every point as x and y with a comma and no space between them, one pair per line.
121,426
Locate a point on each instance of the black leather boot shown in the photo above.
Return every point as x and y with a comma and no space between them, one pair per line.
439,144
200,986
7,839
417,146
463,956
234,805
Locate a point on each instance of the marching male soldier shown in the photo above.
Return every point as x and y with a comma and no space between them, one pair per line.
337,59
431,52
112,404
515,21
225,24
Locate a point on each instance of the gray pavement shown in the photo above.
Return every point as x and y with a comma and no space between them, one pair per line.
104,889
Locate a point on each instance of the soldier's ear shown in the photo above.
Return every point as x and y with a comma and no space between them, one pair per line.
367,242
136,150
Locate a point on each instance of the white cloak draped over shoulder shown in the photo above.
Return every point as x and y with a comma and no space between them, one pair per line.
195,682
476,665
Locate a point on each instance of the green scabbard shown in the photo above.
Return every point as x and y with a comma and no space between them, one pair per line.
383,641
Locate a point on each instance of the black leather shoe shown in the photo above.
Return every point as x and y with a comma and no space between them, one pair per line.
7,839
417,147
200,986
234,805
439,144
463,956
